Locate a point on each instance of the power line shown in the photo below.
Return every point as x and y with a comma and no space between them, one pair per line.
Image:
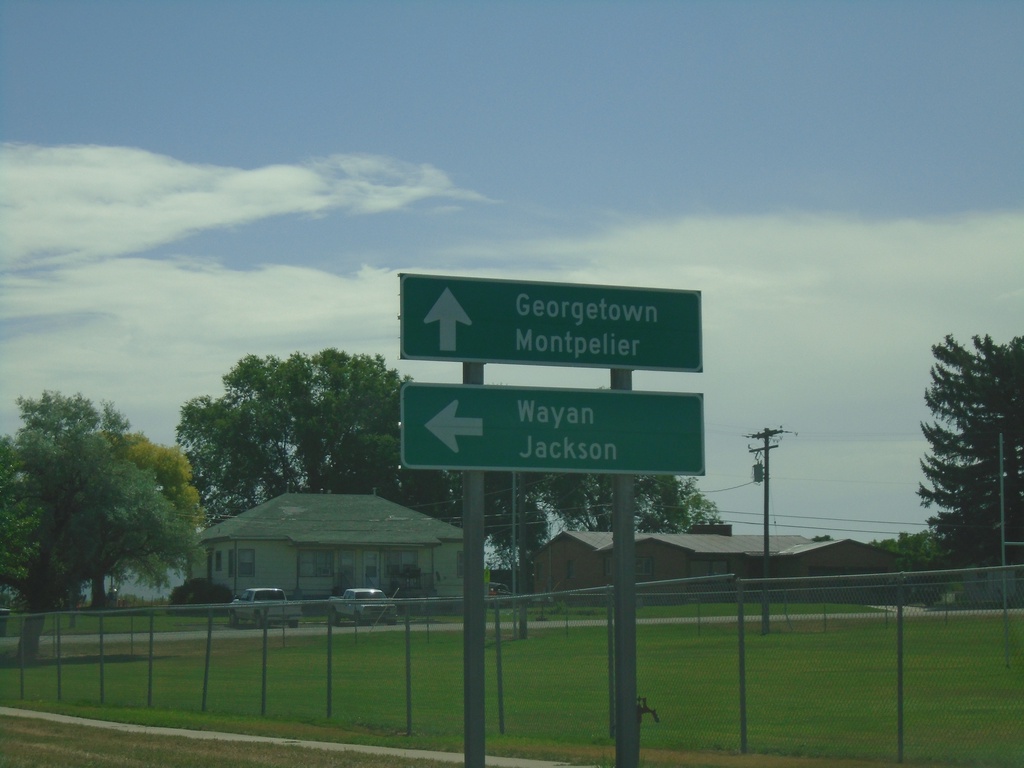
815,517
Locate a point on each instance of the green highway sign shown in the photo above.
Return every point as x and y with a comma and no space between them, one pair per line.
461,426
506,321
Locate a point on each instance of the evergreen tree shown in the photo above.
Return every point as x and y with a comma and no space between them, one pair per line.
976,395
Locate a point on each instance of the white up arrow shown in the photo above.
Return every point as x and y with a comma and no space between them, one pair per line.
447,312
446,426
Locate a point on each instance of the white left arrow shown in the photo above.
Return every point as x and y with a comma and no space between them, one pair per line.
447,426
447,312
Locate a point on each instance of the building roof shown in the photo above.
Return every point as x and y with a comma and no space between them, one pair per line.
312,519
707,543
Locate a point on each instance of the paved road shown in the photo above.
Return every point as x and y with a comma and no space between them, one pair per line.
222,632
412,754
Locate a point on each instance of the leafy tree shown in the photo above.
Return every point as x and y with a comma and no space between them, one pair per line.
532,519
975,395
663,503
172,472
915,551
91,511
571,501
140,533
667,504
152,524
326,423
17,519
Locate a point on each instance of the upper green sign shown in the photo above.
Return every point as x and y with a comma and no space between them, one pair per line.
505,321
460,426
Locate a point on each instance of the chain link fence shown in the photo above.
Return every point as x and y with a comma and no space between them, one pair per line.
917,667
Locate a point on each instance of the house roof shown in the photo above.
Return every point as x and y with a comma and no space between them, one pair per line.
707,543
333,520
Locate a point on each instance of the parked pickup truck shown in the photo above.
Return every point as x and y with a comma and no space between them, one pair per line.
264,606
364,606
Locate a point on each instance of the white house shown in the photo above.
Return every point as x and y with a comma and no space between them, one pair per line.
315,545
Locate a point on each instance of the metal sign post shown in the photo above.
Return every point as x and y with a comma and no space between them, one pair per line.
474,611
627,745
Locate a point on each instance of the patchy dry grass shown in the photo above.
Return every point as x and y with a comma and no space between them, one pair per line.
28,743
36,743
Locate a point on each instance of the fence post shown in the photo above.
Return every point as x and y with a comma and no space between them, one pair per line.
330,660
149,684
408,675
103,697
266,636
741,618
497,661
206,665
899,667
60,666
611,664
1006,620
21,655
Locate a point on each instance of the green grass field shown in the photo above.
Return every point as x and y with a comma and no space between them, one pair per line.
815,687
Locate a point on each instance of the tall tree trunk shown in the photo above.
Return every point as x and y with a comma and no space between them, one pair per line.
31,631
99,595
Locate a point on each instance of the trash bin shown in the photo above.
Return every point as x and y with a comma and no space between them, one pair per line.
4,613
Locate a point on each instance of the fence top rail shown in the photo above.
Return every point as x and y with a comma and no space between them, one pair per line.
640,585
893,577
873,579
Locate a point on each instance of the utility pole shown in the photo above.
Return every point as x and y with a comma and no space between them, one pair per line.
767,436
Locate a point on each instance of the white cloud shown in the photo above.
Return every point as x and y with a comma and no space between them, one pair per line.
820,324
68,203
148,335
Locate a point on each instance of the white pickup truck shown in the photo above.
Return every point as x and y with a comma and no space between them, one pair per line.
364,606
264,606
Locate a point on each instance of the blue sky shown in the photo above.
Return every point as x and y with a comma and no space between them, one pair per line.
184,183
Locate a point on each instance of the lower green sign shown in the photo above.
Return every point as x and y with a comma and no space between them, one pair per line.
453,426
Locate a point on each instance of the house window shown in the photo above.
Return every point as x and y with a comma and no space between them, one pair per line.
401,561
570,569
247,562
347,568
460,566
316,562
217,565
644,566
709,567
